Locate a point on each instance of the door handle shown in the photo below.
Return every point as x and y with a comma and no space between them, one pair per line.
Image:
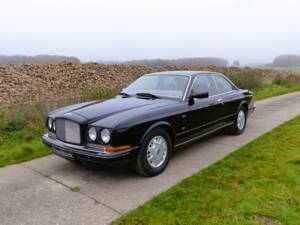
216,102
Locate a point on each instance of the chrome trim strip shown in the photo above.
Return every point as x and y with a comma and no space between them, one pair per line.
210,74
97,156
223,93
83,150
195,128
187,88
61,144
202,135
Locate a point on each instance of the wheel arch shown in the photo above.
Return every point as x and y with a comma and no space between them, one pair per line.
163,125
243,103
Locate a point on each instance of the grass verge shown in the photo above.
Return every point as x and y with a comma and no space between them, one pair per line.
20,151
272,90
258,184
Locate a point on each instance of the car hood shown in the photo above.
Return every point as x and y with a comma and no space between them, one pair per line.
93,111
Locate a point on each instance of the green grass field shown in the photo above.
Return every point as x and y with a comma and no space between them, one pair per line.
286,68
257,184
20,135
22,150
271,90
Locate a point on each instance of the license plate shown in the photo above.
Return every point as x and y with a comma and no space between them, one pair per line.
63,153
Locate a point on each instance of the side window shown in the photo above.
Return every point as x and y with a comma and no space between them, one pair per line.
204,83
222,84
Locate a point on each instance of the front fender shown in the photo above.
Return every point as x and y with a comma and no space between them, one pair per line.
156,125
243,102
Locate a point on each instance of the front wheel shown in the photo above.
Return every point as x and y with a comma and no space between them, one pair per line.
154,154
240,122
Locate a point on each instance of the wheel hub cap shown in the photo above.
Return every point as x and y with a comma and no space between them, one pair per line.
241,120
157,151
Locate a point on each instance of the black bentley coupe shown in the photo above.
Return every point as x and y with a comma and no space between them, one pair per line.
153,116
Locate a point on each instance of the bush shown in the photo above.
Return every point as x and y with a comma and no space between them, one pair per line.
247,80
286,81
100,93
17,123
1,141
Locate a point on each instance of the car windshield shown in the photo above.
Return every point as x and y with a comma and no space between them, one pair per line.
171,86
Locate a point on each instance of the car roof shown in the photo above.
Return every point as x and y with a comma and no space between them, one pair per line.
182,72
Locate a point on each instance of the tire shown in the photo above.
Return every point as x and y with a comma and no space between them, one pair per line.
146,165
237,128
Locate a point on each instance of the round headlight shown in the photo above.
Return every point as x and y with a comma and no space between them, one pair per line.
50,123
105,135
92,134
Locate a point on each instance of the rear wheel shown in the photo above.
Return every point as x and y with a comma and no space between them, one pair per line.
154,154
240,122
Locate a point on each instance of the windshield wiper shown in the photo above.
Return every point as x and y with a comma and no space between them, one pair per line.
147,95
126,95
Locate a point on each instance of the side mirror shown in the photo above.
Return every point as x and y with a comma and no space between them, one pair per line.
197,96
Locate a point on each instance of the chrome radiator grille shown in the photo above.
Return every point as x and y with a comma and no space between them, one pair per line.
68,131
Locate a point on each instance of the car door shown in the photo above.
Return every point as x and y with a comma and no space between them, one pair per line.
226,97
202,114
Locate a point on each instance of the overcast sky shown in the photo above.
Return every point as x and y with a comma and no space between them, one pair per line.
249,30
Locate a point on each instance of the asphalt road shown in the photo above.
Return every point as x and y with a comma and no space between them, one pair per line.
38,191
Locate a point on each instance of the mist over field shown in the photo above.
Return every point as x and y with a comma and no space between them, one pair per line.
249,31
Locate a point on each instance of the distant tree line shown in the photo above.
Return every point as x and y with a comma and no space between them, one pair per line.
207,61
287,60
38,59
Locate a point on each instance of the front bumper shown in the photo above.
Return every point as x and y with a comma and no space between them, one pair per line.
88,153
